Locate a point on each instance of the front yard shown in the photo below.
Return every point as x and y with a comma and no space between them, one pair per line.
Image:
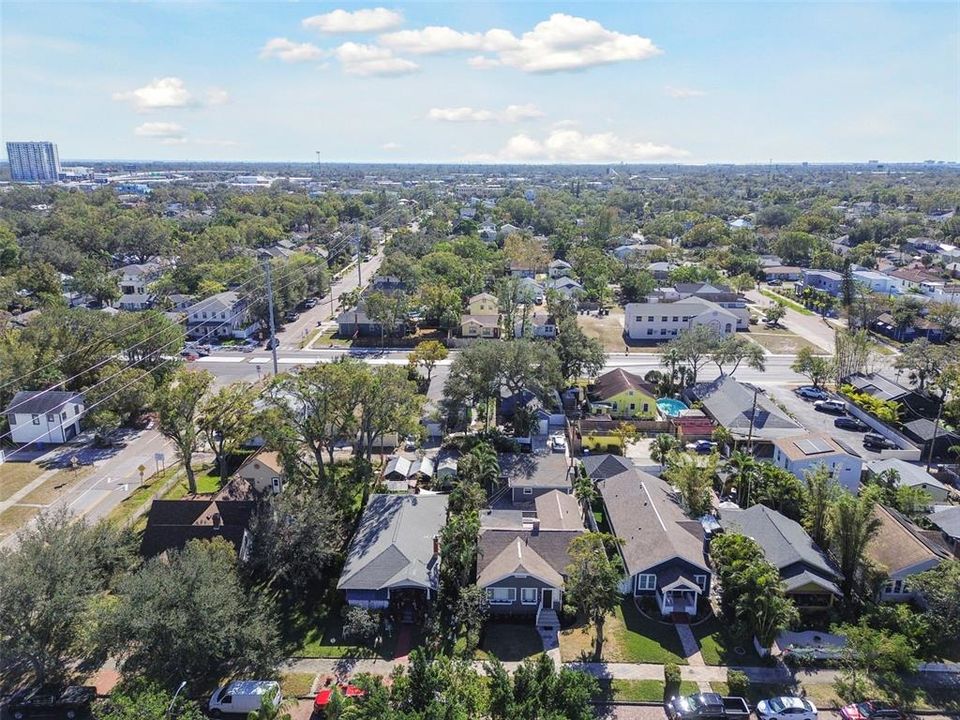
719,647
628,637
510,641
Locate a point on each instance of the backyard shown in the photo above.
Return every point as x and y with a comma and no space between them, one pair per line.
628,637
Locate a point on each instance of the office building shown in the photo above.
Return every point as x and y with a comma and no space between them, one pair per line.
33,161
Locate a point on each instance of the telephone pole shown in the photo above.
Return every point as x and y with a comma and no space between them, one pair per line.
268,271
359,273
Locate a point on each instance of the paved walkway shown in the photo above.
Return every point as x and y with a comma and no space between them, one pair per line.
691,651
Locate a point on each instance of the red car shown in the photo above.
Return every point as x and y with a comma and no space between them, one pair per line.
323,698
871,710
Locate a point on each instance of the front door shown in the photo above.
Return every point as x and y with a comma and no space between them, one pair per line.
547,598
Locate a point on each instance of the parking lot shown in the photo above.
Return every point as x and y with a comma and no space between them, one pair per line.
819,422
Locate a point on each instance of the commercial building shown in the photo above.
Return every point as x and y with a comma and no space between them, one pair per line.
34,162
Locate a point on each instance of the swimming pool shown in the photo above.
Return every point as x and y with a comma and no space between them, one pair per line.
671,407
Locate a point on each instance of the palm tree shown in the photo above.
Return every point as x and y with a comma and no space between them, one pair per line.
692,480
268,711
852,523
485,465
723,437
661,447
745,468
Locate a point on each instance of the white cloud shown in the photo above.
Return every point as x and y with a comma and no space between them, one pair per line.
166,132
574,146
290,51
682,93
367,60
390,146
562,42
510,114
367,20
217,96
162,93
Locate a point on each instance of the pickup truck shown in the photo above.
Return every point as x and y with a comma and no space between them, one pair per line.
709,706
73,702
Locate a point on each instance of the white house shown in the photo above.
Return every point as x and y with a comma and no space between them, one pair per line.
877,282
799,454
264,472
44,416
135,285
224,315
538,324
911,476
664,321
559,268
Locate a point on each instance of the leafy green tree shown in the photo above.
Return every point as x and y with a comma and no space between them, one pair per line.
693,478
137,700
163,628
661,447
427,354
226,422
693,348
852,523
593,582
49,581
820,492
268,711
470,613
880,655
774,312
730,352
179,406
815,367
389,404
579,355
940,589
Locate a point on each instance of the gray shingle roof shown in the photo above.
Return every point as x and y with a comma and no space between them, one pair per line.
651,525
783,541
544,470
948,520
601,467
393,545
730,403
911,475
506,552
42,401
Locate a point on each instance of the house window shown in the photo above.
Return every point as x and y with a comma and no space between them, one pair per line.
646,407
76,409
501,596
646,582
528,596
663,331
528,491
650,318
633,406
51,418
36,419
897,587
613,405
663,318
701,581
639,318
675,318
649,331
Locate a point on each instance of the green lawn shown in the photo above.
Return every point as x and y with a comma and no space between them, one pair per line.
510,641
792,304
628,637
206,484
719,647
296,685
640,690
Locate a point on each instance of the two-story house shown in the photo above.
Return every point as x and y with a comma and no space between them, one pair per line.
482,319
135,281
801,454
655,322
44,416
829,281
621,394
220,316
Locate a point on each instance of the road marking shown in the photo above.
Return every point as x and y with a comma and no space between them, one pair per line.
219,359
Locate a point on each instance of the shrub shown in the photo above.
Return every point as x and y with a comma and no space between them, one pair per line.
671,674
360,624
738,683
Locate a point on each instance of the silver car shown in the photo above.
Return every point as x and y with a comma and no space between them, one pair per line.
786,708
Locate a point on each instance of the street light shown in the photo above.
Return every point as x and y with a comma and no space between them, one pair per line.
183,684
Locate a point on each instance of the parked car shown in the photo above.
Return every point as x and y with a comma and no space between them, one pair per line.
310,303
834,407
71,702
272,343
786,708
190,355
710,706
558,443
874,441
702,446
322,700
775,282
201,350
240,697
871,710
812,393
851,423
290,316
410,443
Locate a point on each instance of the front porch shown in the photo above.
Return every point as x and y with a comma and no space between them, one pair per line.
674,602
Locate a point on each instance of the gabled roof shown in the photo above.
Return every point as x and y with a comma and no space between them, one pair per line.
544,470
601,467
900,545
393,545
482,320
784,542
644,514
269,460
503,553
171,524
730,403
618,381
221,302
947,519
911,475
558,511
40,402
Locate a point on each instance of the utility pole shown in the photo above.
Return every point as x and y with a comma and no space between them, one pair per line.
359,273
933,442
273,329
753,414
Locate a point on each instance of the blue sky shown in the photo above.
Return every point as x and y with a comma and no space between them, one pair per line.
490,81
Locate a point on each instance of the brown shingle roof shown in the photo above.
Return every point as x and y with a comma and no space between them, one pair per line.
898,544
617,381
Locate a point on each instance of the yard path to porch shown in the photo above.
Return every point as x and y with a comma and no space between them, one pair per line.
691,650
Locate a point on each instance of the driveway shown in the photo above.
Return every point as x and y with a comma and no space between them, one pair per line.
812,327
819,422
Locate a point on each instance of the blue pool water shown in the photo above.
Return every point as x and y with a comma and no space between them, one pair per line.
671,407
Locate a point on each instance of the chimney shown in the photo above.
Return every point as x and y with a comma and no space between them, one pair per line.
217,520
535,526
436,545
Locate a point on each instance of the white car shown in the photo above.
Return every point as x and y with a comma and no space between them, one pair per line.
558,443
786,708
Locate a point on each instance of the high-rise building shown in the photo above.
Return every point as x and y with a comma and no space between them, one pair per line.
34,161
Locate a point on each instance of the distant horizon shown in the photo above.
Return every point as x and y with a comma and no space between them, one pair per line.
697,82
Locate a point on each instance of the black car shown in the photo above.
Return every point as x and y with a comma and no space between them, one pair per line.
874,441
72,702
851,423
271,344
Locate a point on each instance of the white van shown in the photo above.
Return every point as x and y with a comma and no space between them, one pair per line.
243,696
